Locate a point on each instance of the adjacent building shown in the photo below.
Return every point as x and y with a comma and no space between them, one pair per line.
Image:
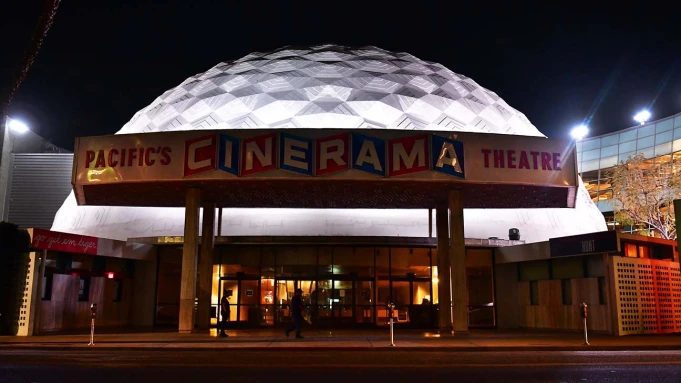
659,141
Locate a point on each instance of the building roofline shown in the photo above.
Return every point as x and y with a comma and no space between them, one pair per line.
632,128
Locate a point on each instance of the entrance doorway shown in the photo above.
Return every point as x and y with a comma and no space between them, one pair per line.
412,299
331,303
284,290
242,294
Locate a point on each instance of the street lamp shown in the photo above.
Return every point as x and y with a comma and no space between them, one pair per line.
642,116
579,132
17,126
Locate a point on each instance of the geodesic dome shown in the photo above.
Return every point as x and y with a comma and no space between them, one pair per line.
336,87
330,86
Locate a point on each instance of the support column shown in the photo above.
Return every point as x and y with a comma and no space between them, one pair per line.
444,291
206,266
189,260
457,259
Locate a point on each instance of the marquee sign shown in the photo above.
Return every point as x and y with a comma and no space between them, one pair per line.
379,155
322,156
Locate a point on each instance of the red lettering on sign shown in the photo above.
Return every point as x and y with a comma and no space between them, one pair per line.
499,159
132,155
486,152
507,159
408,155
165,153
556,162
524,163
331,154
101,161
112,161
259,154
200,155
511,158
89,157
534,159
127,157
147,156
545,161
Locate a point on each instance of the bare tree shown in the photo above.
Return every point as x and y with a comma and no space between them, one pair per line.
644,193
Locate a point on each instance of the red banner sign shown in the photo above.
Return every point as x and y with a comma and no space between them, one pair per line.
68,243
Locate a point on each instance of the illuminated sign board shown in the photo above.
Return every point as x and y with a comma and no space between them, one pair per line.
182,156
322,156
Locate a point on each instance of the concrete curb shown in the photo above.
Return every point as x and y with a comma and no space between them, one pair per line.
104,347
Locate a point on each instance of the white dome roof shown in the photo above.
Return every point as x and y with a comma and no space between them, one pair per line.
330,86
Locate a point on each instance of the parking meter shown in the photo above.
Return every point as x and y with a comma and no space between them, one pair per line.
584,311
391,309
93,316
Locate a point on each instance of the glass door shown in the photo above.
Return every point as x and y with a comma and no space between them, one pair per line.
402,298
284,290
364,293
421,311
343,302
242,295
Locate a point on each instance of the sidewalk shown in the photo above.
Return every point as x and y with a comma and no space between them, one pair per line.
350,340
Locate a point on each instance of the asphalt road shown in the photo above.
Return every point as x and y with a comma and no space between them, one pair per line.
328,366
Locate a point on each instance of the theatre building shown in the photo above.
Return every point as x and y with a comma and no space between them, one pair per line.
361,176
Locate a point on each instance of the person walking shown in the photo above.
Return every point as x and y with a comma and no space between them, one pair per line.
296,314
224,313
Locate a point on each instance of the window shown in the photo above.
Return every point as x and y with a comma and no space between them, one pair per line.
47,287
602,300
630,250
590,180
566,287
534,293
118,290
84,289
643,251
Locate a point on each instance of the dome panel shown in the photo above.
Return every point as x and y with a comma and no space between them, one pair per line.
326,80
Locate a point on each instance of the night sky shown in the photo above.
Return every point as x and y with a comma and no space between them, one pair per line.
560,65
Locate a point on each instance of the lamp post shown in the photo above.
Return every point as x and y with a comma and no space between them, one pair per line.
12,127
579,132
642,116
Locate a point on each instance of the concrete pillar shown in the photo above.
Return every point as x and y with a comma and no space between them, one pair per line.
206,266
144,284
457,259
444,291
189,260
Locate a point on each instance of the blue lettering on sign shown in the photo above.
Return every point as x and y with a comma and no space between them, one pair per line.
295,153
368,154
448,156
228,154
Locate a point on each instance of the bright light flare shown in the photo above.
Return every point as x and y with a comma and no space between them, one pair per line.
17,126
579,132
642,116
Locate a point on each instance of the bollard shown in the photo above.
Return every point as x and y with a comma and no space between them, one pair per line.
93,315
584,315
391,307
